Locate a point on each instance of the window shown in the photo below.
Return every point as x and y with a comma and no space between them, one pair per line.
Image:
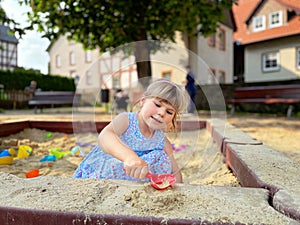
222,39
275,19
270,61
167,75
73,73
259,23
116,81
75,76
8,55
213,71
57,61
212,76
212,40
72,58
88,78
221,77
88,56
298,58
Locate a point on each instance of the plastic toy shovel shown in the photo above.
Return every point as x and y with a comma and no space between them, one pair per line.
161,181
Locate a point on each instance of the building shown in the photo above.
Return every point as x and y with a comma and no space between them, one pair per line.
92,69
68,58
8,49
267,40
216,51
211,59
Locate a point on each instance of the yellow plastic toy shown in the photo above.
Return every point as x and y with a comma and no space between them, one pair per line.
6,160
7,156
12,152
24,151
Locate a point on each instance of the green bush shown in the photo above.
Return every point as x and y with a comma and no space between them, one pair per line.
20,78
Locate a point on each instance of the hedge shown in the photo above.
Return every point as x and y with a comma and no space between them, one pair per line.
19,79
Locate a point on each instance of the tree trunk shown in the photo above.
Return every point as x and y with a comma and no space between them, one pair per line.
142,59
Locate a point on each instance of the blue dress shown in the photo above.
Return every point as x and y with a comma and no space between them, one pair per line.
98,164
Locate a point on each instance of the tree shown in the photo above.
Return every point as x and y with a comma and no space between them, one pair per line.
109,24
13,25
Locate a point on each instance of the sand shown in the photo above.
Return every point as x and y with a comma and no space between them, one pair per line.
280,133
200,161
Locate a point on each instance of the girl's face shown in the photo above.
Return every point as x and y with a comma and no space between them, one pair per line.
156,113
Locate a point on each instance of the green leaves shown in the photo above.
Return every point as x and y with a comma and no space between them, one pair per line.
118,22
110,23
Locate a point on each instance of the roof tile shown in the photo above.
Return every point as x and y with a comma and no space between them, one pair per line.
245,8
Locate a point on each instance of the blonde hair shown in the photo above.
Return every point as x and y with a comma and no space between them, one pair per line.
170,93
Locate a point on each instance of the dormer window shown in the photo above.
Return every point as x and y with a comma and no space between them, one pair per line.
271,61
259,23
275,19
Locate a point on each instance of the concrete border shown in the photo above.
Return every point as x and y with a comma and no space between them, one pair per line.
259,166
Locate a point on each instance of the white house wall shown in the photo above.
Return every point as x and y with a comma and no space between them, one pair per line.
63,48
287,49
97,74
174,61
216,59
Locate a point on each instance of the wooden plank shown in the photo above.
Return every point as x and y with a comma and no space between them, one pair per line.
80,126
12,127
54,93
271,87
278,91
51,102
52,126
278,94
264,101
54,98
190,125
67,126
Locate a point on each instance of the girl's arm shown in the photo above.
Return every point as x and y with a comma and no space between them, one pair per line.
110,143
175,169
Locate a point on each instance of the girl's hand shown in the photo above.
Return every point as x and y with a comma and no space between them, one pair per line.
136,168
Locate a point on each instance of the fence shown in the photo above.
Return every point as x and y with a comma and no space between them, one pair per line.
13,99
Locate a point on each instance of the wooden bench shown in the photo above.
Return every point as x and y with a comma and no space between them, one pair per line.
120,104
277,94
42,99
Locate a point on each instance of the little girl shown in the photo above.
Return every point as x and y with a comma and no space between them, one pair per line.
134,143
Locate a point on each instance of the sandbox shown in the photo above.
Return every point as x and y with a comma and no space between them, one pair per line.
268,196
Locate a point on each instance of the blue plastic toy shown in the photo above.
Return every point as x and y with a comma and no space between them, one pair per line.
48,158
4,153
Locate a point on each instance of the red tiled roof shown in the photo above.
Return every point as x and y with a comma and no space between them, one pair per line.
291,4
245,8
